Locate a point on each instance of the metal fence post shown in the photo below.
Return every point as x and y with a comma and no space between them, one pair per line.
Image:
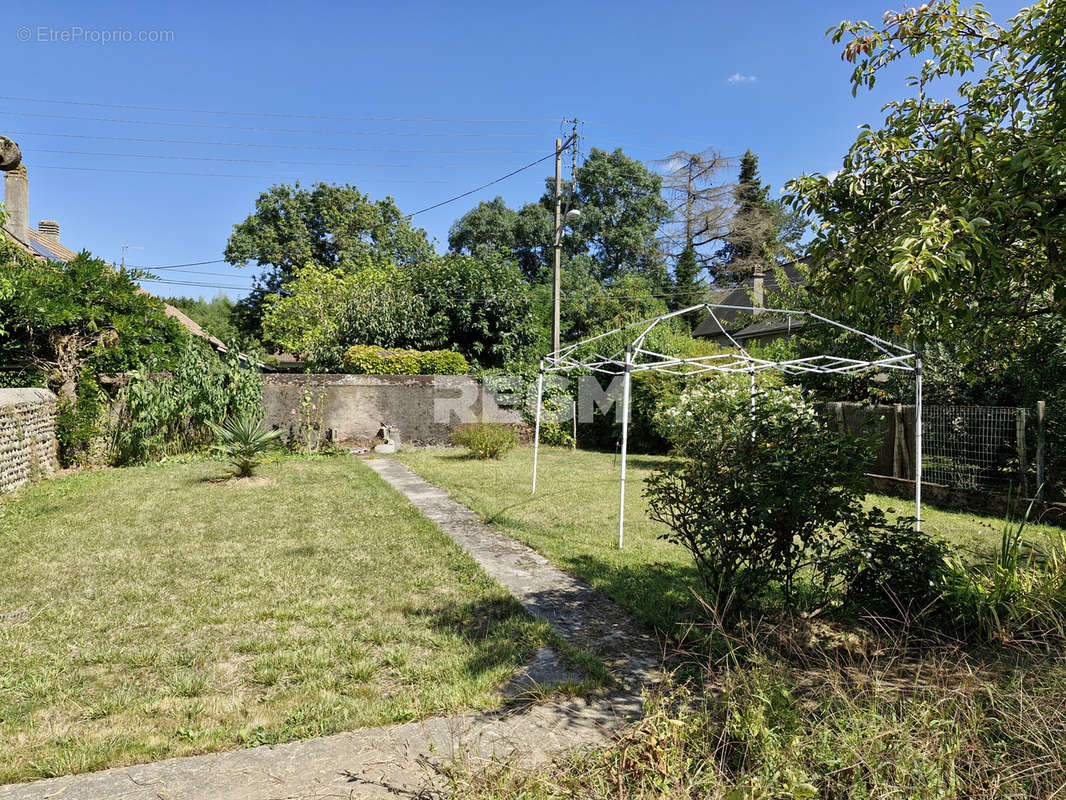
1023,461
1040,411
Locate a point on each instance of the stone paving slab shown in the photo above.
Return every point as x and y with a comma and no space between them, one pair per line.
387,762
399,760
578,612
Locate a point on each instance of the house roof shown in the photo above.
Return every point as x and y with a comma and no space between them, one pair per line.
717,325
45,248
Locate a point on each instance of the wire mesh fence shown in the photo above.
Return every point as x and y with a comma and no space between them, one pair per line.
989,449
976,447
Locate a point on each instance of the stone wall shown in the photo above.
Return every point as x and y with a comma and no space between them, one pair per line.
424,409
28,447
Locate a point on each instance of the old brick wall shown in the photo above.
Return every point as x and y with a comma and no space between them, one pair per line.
28,449
423,408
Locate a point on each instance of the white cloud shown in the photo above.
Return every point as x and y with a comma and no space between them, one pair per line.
833,174
738,77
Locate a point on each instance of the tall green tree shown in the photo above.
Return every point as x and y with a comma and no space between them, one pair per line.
621,212
334,226
762,230
946,222
480,304
493,229
689,286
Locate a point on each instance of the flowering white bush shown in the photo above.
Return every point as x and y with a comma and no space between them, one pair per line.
713,413
762,487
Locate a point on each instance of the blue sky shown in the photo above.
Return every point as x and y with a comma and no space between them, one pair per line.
648,77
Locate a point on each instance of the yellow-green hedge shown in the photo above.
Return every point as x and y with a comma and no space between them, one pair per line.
370,360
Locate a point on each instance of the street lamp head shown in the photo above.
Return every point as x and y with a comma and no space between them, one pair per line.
573,213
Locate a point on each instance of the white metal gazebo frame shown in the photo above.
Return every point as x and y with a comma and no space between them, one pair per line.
633,358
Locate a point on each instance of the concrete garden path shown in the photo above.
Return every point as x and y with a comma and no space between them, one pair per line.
398,761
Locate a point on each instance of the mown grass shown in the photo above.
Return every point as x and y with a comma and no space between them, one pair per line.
573,521
157,611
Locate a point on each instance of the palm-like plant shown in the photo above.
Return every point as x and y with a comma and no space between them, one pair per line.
244,441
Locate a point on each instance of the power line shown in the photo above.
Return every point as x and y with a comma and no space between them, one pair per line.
269,115
483,186
176,266
146,140
194,283
227,275
271,161
267,130
206,174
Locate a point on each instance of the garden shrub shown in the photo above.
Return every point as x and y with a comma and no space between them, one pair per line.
82,422
760,489
166,413
363,359
888,567
650,392
442,362
244,442
485,439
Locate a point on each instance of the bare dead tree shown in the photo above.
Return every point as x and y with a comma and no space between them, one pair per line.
701,201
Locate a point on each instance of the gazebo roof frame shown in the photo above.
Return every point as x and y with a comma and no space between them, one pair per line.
634,357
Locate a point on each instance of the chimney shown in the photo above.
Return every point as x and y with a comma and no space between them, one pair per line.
17,202
758,290
49,229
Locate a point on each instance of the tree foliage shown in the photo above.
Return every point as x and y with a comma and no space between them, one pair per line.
621,211
492,229
333,226
479,306
761,231
324,311
61,317
216,316
947,221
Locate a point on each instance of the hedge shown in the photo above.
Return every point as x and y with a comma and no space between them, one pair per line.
370,360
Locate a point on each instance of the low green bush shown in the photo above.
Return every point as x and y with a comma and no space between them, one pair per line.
442,362
485,439
364,359
891,569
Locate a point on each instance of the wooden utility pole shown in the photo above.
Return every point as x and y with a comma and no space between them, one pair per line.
558,242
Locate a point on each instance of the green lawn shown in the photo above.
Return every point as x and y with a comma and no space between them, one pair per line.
573,520
157,611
